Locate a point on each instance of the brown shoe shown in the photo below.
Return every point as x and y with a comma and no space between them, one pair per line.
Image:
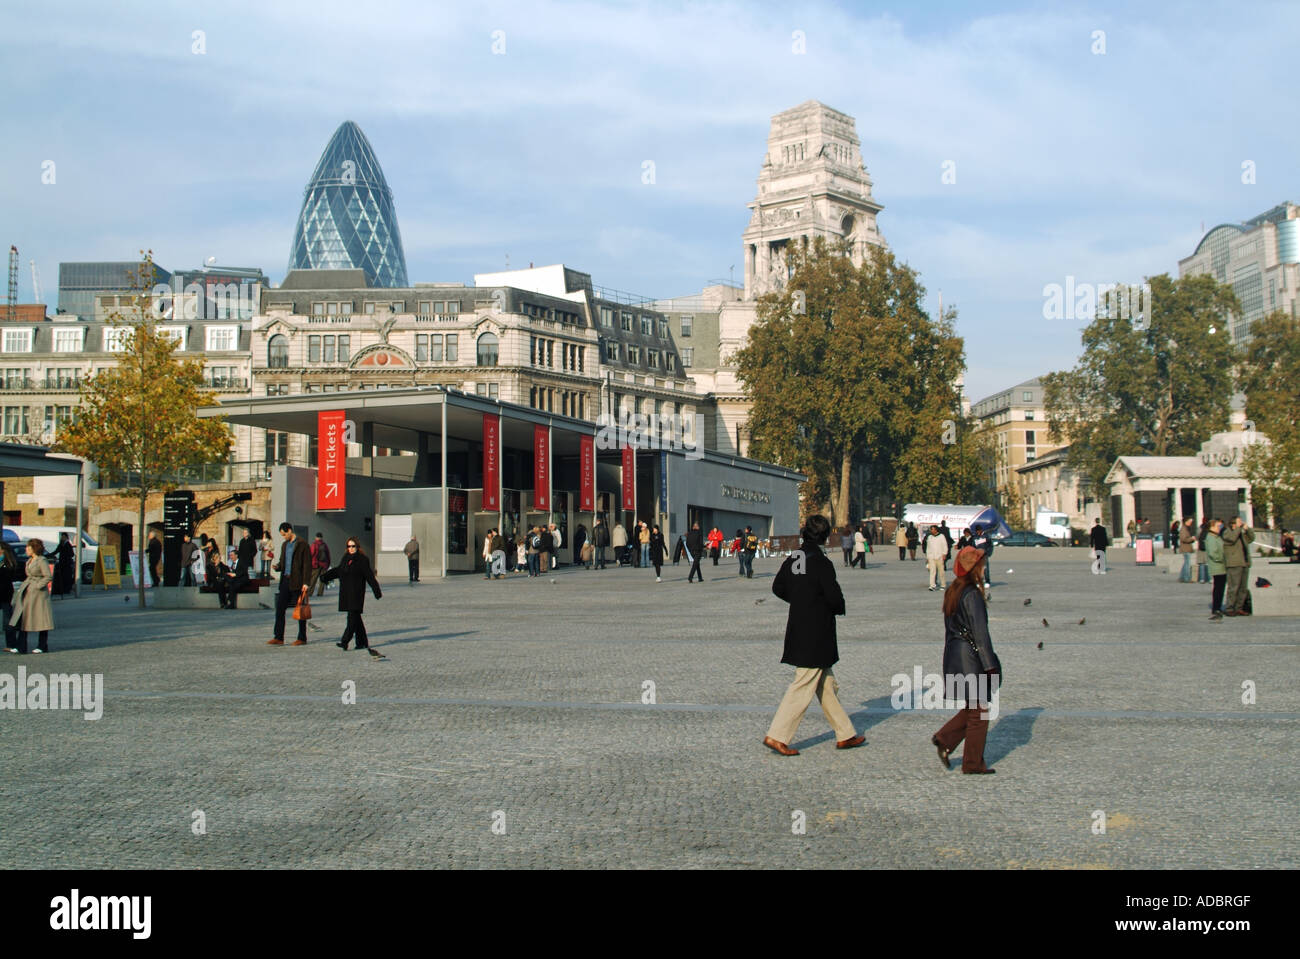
850,743
987,771
781,748
275,642
943,753
299,642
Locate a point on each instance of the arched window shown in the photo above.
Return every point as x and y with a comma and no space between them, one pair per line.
487,350
277,352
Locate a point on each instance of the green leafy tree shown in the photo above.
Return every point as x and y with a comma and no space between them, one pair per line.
1157,384
1270,379
844,364
138,421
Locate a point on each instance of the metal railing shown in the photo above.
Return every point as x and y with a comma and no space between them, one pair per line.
225,383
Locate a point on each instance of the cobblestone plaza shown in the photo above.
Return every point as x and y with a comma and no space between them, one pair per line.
509,727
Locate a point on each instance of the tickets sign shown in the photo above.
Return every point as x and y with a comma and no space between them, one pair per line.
491,462
541,468
586,473
331,477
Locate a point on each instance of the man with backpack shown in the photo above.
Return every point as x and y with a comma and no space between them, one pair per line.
748,547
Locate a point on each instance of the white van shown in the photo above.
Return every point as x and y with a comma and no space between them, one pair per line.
17,537
1052,524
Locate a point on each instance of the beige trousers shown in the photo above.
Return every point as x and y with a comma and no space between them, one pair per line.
935,568
809,682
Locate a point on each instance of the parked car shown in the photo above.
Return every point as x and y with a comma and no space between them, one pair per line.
17,537
1026,538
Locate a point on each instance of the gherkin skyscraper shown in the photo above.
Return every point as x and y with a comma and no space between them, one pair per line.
347,219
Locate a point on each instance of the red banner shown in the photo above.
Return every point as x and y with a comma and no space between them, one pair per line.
491,462
541,468
331,458
629,478
587,473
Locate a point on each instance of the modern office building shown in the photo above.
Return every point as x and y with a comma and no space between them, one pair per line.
348,221
1259,258
83,285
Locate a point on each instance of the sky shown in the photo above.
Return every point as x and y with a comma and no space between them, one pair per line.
1098,141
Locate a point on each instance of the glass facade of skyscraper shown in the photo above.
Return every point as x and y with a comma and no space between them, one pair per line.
347,219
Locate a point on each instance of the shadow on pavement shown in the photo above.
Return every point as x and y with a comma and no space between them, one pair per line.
1010,733
864,718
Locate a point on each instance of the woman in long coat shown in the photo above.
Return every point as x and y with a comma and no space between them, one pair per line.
970,666
657,550
353,573
32,612
807,582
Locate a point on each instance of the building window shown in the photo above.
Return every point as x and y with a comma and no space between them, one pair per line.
277,351
652,357
634,354
15,421
425,308
345,347
647,325
67,341
452,351
672,362
318,309
611,350
114,338
329,349
606,316
277,448
688,324
1029,414
277,389
422,347
581,353
175,333
370,307
1029,437
493,392
663,329
313,349
222,338
688,355
627,322
487,350
1027,396
18,341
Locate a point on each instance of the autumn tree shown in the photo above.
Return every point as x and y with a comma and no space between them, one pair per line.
1156,383
844,363
1270,378
138,421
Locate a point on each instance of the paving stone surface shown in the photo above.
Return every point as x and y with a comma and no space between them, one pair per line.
507,728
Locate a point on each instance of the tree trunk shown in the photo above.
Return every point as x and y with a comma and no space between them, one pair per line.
840,491
142,544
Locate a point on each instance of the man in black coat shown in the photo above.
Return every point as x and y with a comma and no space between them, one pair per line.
1099,541
599,541
695,546
947,535
806,581
295,573
155,551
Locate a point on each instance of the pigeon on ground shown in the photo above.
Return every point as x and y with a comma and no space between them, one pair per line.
1028,601
1045,623
757,601
1082,621
376,654
1040,645
552,580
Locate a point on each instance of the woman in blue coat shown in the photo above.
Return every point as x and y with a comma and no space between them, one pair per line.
353,573
970,666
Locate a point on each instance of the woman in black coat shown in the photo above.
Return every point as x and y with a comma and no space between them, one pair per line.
970,666
807,582
353,573
657,548
64,566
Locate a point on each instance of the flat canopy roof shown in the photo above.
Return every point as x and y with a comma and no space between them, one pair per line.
398,416
19,460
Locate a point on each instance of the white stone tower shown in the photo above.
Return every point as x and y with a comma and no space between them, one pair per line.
812,184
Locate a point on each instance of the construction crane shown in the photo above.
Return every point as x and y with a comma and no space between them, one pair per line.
36,282
11,310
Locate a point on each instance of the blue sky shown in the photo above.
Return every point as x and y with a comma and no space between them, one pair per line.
1105,167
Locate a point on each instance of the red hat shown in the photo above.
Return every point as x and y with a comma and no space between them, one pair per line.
966,560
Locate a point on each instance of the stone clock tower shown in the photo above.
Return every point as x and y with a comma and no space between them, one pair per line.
812,184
